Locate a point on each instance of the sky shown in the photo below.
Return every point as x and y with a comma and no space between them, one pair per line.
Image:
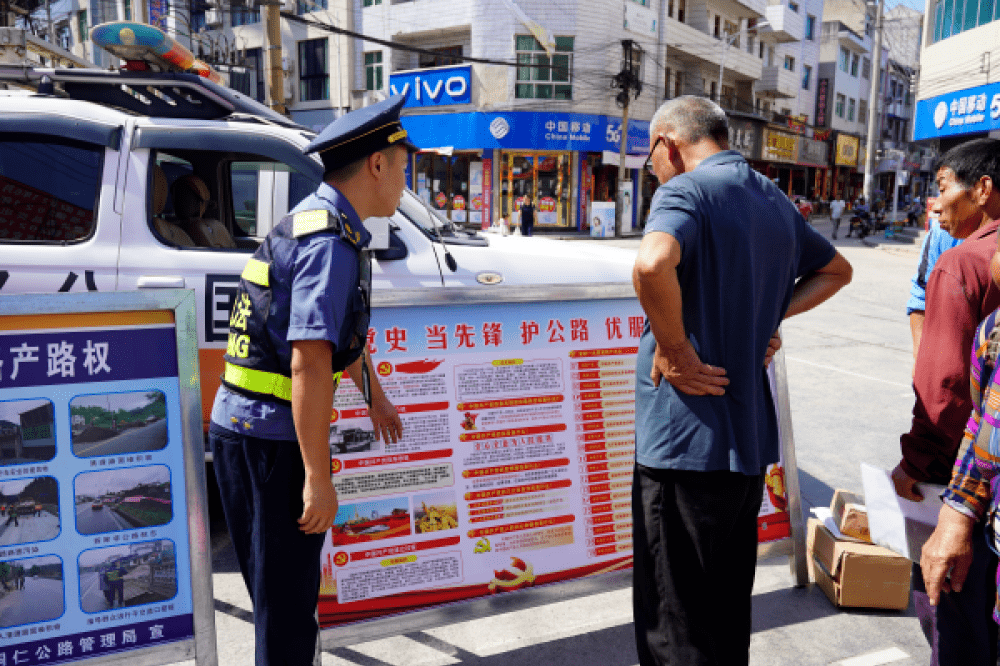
116,401
913,4
11,411
93,484
14,487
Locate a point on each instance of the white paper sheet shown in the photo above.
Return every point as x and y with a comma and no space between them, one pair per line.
898,524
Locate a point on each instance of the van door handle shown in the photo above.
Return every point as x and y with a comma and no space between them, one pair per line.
161,282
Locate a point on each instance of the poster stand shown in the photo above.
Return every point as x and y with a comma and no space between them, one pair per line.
464,299
138,631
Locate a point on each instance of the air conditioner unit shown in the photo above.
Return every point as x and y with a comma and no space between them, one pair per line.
287,90
289,6
213,18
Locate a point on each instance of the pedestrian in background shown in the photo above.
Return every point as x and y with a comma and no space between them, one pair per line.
935,242
836,212
725,257
960,293
299,319
527,216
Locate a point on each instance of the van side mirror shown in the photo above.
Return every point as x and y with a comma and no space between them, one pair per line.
378,227
395,251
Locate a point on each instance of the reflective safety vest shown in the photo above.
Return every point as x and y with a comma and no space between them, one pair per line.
114,575
253,367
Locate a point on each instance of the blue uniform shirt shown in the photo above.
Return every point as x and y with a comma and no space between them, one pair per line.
936,242
743,245
318,298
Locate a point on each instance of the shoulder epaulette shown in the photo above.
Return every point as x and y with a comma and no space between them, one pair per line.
313,221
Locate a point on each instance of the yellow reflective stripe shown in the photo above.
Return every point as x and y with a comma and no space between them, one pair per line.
259,381
310,221
256,271
266,383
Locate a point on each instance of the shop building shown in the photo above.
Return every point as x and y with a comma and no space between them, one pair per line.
495,134
952,109
549,127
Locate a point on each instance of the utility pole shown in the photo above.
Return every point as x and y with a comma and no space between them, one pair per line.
271,14
875,112
627,80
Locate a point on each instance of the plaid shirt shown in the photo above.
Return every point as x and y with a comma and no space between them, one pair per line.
969,490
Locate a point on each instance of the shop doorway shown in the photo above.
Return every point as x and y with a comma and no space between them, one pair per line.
545,177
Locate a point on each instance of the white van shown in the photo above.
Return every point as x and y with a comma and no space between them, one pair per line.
95,164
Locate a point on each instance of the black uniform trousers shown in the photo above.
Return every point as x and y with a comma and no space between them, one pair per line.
695,550
260,481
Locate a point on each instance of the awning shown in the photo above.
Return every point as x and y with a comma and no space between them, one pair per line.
631,161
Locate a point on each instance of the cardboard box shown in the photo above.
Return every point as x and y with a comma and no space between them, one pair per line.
850,515
857,575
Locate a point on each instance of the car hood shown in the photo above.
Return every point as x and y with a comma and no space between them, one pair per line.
519,260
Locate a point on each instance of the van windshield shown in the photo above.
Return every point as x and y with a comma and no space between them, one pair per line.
424,216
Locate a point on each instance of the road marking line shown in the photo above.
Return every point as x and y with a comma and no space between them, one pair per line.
848,372
874,658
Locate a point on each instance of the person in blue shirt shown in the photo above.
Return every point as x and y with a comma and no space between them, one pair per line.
299,320
936,241
725,257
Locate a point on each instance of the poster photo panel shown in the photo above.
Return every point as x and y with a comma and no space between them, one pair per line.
103,502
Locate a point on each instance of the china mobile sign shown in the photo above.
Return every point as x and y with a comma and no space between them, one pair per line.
961,112
442,86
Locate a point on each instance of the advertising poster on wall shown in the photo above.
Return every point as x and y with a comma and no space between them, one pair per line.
94,542
602,219
515,466
476,193
487,192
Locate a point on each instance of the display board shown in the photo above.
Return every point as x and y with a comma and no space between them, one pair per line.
515,467
103,517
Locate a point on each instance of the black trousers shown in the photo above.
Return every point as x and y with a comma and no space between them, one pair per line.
260,482
695,550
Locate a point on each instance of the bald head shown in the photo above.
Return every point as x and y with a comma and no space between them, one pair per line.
692,119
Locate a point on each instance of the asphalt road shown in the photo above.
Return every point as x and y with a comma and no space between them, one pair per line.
848,367
91,521
152,437
29,528
40,600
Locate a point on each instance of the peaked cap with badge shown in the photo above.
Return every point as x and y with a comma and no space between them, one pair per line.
360,133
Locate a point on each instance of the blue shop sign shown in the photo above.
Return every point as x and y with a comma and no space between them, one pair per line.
441,86
968,111
526,130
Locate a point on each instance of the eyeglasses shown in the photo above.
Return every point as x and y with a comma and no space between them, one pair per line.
648,166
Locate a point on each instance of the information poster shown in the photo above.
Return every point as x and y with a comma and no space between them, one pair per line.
94,547
515,467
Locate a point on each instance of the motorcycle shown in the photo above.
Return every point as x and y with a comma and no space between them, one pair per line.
865,223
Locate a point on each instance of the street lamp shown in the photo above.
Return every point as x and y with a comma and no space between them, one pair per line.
725,50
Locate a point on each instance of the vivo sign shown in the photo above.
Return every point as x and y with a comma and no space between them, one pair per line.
441,86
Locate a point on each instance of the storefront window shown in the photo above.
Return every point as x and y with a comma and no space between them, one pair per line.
443,181
543,176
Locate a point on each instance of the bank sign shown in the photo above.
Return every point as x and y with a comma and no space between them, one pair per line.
966,111
440,86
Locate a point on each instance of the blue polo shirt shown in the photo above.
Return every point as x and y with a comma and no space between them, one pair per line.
743,245
936,242
313,286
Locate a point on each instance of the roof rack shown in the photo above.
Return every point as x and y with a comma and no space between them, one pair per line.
164,95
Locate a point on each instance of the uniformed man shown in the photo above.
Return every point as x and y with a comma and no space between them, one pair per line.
299,320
